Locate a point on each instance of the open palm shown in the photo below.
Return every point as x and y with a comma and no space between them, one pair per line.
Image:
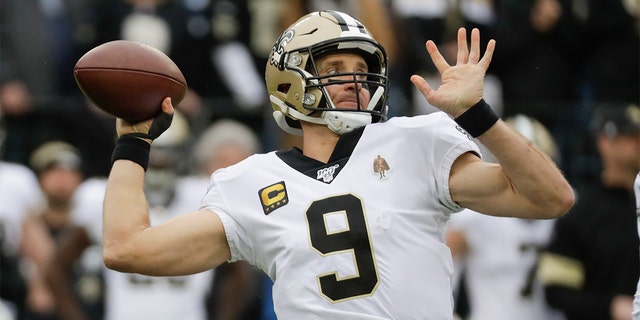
463,83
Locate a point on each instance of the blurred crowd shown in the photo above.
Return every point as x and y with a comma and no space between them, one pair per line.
557,62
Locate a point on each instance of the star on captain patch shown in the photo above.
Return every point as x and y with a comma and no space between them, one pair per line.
380,166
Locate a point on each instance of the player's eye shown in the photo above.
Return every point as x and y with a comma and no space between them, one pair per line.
332,71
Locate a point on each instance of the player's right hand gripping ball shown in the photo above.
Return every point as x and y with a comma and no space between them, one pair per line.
159,125
129,79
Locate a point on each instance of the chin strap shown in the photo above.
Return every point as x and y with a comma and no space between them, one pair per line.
345,121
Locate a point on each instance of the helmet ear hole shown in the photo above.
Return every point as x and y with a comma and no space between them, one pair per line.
284,87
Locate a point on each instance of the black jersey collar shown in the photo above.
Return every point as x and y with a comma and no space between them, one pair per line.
310,167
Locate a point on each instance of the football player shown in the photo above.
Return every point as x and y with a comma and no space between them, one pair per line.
21,198
339,240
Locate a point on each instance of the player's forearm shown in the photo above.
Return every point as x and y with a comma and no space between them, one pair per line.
125,214
533,174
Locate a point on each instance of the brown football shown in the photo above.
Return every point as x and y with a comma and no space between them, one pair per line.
129,79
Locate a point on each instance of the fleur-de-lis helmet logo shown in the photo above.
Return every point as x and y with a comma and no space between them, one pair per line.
278,48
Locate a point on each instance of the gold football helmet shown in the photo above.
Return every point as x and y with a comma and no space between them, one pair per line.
295,89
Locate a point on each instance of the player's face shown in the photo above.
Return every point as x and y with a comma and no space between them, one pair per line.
344,95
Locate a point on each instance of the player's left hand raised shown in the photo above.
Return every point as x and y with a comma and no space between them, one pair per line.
463,83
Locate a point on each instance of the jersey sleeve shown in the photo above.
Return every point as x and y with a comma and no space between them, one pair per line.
441,142
455,142
237,237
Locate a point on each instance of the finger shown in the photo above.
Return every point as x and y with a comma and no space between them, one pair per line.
488,54
167,106
463,51
421,84
436,57
474,55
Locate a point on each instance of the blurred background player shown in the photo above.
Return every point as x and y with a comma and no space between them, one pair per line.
223,143
58,166
591,266
498,256
20,197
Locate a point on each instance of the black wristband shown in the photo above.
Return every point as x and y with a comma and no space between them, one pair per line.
129,147
478,119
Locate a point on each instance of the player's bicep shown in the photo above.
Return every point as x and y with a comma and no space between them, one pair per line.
483,187
186,244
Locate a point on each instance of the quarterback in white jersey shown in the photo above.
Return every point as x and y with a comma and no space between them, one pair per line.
329,233
636,298
350,226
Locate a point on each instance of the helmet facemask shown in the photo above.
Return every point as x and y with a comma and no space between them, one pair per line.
342,120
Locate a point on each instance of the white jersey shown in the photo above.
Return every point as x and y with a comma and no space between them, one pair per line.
500,266
636,299
361,237
20,194
134,296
